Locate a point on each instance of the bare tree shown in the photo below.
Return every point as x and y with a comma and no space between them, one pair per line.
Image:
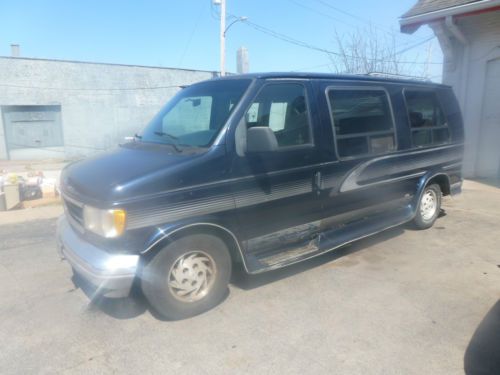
365,51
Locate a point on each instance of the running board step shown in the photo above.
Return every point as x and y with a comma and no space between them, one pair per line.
326,241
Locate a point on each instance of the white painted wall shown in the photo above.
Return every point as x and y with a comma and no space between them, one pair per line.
93,117
465,68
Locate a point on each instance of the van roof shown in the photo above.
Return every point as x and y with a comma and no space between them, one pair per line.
350,77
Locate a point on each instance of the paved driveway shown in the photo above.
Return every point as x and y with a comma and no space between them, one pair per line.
402,302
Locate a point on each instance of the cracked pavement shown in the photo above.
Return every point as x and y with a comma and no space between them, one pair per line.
401,302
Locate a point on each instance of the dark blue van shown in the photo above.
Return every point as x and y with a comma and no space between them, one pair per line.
259,171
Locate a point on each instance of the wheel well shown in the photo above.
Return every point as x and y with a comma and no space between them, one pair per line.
443,182
223,234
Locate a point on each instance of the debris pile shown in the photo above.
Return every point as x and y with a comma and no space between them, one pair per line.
16,189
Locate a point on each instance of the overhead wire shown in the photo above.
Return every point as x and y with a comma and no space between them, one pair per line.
363,20
370,23
319,12
303,44
300,43
339,10
415,45
195,27
90,89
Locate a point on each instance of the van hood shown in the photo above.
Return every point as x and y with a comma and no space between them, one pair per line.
132,169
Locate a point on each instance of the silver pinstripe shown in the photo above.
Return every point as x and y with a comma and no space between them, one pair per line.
255,195
244,198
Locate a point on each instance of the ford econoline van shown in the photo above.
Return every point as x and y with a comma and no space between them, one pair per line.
260,172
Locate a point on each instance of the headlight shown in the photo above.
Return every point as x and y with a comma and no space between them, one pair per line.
106,223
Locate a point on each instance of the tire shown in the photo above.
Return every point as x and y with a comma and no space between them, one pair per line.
188,276
428,207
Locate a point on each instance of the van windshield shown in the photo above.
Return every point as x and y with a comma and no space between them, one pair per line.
196,114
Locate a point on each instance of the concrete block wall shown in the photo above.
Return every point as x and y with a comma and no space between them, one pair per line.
100,103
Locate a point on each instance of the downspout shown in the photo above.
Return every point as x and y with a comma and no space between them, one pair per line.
464,74
464,69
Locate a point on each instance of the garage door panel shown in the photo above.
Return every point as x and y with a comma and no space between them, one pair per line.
32,127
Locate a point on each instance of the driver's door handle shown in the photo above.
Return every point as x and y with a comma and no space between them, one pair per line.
317,182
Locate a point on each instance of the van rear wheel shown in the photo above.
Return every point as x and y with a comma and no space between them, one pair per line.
429,207
188,276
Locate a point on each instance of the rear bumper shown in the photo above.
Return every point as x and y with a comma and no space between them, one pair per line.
111,274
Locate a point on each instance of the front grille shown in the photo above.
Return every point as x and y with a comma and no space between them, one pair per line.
74,211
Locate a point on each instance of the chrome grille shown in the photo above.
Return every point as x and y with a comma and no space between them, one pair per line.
74,212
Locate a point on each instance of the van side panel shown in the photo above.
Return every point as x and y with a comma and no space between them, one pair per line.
363,195
279,221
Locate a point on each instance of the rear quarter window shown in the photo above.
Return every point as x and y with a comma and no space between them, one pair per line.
362,121
428,123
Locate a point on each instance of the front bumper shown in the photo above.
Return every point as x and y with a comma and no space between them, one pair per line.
111,274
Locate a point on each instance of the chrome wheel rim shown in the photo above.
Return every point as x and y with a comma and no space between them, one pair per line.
192,276
428,205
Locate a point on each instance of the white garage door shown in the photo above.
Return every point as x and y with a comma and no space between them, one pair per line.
488,162
33,132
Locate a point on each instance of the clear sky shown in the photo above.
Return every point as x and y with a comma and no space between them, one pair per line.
185,33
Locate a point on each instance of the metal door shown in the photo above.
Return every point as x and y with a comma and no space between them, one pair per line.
32,127
275,192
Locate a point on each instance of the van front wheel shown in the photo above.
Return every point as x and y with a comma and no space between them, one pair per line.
429,207
188,276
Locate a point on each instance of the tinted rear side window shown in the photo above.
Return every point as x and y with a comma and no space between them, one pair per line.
362,121
427,121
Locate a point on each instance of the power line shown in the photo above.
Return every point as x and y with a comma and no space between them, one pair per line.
320,13
300,43
92,89
364,20
391,33
337,9
303,44
191,36
415,45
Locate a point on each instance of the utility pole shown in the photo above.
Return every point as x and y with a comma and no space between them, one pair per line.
222,38
223,31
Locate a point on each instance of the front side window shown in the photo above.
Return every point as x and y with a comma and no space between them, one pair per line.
427,120
196,114
283,108
362,121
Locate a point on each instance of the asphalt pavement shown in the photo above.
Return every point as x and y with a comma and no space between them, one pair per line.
401,302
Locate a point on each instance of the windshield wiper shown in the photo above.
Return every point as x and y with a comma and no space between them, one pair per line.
137,136
167,134
173,144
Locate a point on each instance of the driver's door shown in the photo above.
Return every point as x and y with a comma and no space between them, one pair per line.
276,198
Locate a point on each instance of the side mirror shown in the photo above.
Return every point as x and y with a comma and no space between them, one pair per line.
261,139
195,102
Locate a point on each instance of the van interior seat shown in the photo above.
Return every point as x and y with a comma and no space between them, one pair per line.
363,124
416,119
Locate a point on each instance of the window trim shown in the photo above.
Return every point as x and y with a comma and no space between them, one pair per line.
431,128
311,143
337,137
